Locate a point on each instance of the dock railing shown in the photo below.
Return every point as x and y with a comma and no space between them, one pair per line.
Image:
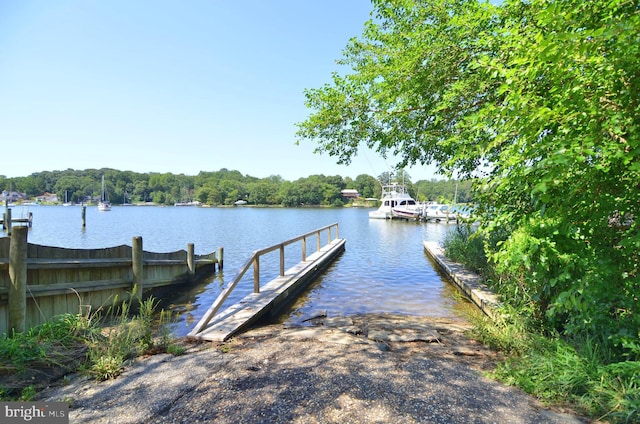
254,261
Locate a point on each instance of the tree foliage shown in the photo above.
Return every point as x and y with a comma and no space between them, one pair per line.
537,102
223,187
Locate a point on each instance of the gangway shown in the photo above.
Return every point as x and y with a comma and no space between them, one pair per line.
214,326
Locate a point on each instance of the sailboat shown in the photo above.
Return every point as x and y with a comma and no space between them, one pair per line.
66,199
104,204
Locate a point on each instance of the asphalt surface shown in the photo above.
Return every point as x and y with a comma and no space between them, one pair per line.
360,369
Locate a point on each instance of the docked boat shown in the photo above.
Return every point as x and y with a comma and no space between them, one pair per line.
445,213
436,212
104,204
396,203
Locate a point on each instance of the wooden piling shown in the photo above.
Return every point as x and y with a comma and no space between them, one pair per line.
18,277
137,260
84,216
220,257
7,220
191,262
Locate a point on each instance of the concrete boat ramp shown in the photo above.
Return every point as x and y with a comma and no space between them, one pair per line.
271,297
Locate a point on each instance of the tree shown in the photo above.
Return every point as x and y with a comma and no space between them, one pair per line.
537,102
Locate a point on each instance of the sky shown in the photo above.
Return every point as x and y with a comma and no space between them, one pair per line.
172,86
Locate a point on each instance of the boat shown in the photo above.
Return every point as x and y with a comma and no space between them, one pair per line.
396,203
66,199
103,204
190,203
187,201
435,212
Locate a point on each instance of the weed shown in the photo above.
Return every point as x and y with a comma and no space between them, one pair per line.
99,344
583,369
106,367
28,393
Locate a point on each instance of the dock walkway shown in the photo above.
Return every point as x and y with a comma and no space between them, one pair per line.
270,298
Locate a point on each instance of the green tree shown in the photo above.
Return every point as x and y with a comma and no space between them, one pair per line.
535,101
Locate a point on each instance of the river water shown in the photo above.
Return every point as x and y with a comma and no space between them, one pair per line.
383,269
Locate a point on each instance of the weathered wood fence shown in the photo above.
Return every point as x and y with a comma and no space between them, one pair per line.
38,282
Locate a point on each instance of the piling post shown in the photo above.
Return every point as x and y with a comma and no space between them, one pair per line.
137,260
220,257
7,219
18,277
84,216
191,263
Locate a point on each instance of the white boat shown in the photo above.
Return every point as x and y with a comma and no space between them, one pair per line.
103,204
66,199
187,200
395,202
190,203
438,212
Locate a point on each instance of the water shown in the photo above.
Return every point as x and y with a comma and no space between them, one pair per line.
383,269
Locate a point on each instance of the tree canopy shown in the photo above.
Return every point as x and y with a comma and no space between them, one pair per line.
537,102
222,187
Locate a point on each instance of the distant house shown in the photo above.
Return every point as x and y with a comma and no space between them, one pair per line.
350,193
47,198
12,196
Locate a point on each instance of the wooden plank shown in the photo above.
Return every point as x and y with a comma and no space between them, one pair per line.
80,287
272,295
76,263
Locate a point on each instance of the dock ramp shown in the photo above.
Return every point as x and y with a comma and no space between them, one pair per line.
271,297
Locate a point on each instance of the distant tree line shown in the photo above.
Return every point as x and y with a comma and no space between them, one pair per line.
223,187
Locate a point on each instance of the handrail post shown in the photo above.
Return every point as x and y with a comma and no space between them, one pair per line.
337,231
256,274
282,260
18,285
304,249
318,241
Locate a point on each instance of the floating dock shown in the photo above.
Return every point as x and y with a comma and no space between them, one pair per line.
270,298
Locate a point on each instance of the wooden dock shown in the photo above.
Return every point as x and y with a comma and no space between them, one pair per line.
467,281
6,220
271,297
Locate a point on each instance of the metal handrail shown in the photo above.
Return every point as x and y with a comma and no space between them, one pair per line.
255,261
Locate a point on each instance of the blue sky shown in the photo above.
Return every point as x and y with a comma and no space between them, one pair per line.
171,86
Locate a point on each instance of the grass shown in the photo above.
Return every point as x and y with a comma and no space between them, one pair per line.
99,345
583,374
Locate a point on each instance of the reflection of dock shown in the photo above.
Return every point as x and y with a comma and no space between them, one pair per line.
271,297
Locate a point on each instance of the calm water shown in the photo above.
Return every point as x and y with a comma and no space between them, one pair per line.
383,269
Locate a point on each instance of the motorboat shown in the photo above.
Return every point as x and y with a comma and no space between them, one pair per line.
396,203
441,212
436,212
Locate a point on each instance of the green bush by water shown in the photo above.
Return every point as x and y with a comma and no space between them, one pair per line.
588,370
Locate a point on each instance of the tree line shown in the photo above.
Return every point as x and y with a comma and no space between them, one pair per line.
222,187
